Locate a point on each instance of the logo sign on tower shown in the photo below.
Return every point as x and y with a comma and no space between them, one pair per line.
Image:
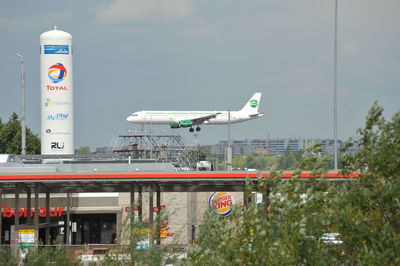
56,49
221,203
57,116
50,102
57,73
57,146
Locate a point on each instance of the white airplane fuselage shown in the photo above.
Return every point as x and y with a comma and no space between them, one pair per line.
170,117
178,119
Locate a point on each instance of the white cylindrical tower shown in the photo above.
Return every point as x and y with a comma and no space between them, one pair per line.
57,130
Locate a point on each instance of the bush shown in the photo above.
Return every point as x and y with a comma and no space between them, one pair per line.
363,212
50,255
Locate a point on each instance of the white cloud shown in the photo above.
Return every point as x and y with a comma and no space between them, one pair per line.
33,21
199,27
149,11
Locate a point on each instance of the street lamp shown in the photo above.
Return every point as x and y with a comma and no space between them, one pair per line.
229,148
335,91
23,129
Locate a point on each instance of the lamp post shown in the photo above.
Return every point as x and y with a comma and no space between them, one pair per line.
229,148
335,91
23,129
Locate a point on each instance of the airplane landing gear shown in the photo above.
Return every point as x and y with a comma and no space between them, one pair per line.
191,129
198,128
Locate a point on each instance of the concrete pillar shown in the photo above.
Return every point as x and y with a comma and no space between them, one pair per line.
16,216
266,199
158,199
36,216
132,211
140,203
1,217
151,216
28,206
132,207
191,216
47,232
151,205
67,226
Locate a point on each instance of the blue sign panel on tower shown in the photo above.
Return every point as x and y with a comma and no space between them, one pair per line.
56,49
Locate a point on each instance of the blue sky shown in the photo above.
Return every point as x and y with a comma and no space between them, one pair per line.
131,55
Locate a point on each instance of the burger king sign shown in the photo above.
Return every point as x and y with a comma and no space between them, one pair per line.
221,203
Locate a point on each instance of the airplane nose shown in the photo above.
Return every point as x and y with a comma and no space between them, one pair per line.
129,118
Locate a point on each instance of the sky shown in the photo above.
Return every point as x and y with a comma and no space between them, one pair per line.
132,55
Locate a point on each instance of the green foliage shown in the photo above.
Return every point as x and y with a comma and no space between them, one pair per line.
10,138
137,244
254,161
380,142
203,154
310,160
364,211
369,211
6,257
50,256
290,160
83,150
289,234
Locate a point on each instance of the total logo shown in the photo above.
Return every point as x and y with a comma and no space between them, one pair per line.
58,116
56,88
221,203
57,146
57,73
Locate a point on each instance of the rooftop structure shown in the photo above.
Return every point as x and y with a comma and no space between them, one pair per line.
62,194
163,148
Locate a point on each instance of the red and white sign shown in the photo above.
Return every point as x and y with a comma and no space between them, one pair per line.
23,212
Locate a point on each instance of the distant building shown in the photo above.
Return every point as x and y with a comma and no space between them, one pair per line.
275,146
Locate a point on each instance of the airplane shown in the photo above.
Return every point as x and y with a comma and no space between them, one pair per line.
178,119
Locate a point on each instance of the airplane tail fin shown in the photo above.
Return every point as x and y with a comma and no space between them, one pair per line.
251,107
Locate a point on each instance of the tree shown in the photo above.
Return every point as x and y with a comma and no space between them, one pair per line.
50,256
203,154
10,138
239,162
368,217
136,243
290,160
312,160
83,150
364,212
254,161
261,162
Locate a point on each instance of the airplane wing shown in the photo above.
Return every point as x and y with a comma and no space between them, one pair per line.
201,120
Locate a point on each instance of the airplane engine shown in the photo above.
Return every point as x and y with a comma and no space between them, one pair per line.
185,123
174,125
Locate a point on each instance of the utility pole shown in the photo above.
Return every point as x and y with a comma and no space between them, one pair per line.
229,148
335,91
23,128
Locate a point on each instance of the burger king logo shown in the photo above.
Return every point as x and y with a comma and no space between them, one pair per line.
221,203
